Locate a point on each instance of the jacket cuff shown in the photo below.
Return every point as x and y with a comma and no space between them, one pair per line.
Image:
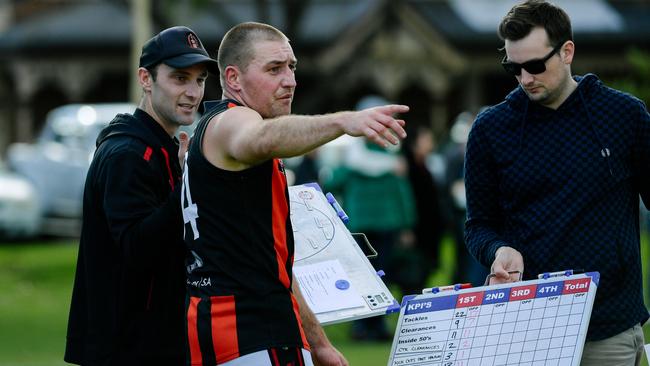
492,250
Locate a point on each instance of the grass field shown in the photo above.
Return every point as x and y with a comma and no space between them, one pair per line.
35,286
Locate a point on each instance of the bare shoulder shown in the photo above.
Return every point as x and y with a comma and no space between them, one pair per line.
222,125
238,115
225,135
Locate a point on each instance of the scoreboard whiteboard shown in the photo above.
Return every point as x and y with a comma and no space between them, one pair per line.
537,322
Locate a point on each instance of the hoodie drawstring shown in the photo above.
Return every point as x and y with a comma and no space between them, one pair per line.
604,150
523,126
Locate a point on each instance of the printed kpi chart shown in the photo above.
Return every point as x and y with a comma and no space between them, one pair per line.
538,322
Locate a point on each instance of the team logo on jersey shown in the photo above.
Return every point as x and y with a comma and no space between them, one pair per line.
192,40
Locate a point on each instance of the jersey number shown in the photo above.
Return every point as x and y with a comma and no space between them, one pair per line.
190,211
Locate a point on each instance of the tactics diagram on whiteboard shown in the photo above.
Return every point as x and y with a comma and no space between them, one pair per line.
311,224
336,279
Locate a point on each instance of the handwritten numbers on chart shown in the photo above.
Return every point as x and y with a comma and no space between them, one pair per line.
531,322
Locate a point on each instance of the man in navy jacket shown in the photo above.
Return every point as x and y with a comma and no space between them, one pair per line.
128,298
553,178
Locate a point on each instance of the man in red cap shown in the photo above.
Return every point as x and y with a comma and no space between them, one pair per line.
128,298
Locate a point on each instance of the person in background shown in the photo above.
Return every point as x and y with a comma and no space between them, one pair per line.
553,176
244,305
128,297
378,199
468,269
421,257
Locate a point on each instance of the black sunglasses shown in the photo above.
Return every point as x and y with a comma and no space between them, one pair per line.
534,67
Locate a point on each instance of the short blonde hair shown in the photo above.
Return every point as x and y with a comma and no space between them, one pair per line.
236,47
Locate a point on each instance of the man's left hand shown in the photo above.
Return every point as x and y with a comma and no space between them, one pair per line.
328,356
183,143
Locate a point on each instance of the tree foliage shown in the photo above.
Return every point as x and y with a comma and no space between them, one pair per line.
637,82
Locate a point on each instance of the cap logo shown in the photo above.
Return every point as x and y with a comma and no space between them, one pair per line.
192,41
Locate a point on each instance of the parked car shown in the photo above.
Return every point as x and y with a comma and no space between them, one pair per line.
58,161
20,214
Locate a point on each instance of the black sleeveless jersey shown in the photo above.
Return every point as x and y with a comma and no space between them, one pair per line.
238,230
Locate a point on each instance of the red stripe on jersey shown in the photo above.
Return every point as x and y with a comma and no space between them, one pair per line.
147,153
232,105
193,332
224,328
280,214
301,360
274,357
296,311
169,168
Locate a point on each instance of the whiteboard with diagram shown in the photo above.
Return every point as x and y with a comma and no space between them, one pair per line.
336,278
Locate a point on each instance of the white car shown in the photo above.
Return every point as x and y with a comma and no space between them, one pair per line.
20,214
58,162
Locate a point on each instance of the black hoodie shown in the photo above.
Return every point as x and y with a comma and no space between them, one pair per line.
129,291
562,187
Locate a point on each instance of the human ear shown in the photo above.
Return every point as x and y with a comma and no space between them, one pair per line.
145,79
232,77
567,52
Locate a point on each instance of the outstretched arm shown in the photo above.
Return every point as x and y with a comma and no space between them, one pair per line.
322,351
239,137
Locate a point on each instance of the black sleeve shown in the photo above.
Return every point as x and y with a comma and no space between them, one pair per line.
144,226
484,215
642,152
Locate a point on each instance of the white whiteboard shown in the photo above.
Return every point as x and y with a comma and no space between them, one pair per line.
537,322
321,238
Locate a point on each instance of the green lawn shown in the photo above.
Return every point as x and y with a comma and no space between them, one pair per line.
35,286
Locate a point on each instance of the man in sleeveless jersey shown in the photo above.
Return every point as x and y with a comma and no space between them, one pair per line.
244,306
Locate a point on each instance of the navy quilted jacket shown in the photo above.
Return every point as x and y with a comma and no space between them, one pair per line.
562,187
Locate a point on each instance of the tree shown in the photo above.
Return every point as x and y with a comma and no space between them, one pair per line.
637,82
